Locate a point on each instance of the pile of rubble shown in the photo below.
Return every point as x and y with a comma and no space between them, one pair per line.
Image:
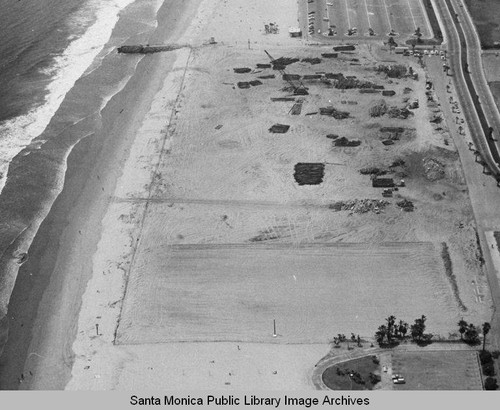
372,171
433,169
378,109
359,206
345,142
401,113
333,112
406,205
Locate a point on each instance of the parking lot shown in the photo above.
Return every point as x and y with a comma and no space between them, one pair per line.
338,17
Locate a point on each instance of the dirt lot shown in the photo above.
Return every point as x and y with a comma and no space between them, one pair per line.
226,293
226,179
437,370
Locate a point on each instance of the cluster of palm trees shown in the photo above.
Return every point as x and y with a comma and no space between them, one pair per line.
392,332
470,333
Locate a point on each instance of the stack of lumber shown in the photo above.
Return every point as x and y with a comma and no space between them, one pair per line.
279,128
242,70
309,173
332,112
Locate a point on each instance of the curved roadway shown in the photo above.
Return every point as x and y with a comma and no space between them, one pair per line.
472,88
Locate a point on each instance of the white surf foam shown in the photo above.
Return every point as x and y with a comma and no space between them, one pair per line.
67,68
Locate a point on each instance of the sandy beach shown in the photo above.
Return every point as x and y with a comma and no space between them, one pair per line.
188,164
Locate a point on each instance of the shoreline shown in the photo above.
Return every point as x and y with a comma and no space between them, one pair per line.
92,171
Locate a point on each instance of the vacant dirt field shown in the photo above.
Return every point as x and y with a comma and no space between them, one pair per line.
233,293
441,370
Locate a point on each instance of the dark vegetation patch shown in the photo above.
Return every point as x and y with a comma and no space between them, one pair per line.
358,374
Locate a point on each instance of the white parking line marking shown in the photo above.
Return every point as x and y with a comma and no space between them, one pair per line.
411,12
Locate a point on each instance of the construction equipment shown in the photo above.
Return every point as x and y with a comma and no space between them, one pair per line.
299,89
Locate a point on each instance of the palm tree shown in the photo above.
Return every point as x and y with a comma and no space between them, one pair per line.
462,327
380,334
486,330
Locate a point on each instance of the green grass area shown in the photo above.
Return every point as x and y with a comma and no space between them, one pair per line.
352,375
485,15
437,370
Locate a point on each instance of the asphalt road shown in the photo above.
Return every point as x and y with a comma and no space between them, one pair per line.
466,79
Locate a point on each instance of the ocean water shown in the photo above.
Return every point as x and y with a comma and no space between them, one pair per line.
45,47
58,69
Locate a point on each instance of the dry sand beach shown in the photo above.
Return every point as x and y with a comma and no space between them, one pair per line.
178,241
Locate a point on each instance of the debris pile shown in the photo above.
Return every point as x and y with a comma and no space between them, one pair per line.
406,205
393,71
282,62
296,108
333,112
332,136
279,128
401,113
309,173
267,76
378,109
392,129
372,171
433,169
344,142
329,55
312,61
388,93
359,206
242,70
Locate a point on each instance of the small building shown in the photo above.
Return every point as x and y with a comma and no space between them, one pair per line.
295,32
400,50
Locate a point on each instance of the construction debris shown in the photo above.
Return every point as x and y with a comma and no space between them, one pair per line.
331,111
433,169
388,93
242,70
378,109
401,113
372,171
265,77
282,99
312,61
309,173
279,128
255,82
288,77
312,77
243,84
332,136
406,205
296,108
359,206
392,129
147,49
259,65
383,183
345,47
329,55
344,142
283,62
